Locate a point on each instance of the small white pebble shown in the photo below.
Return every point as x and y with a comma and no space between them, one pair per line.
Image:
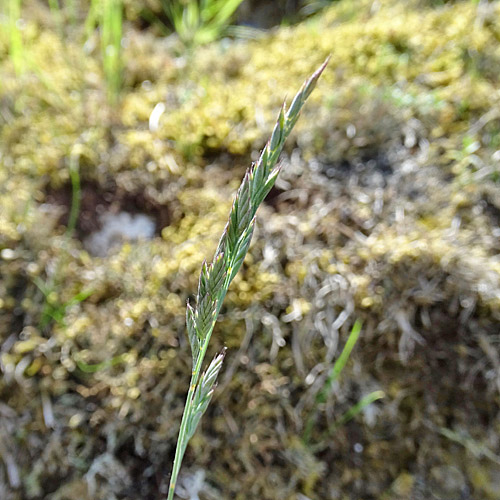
76,420
32,268
8,254
358,447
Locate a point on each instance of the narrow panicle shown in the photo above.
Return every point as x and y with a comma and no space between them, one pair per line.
216,277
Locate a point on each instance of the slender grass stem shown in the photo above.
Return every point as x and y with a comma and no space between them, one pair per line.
181,449
215,278
74,173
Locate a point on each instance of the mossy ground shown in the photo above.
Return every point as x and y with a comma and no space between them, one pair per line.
387,210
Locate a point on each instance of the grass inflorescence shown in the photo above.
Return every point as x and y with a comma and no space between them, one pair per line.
216,277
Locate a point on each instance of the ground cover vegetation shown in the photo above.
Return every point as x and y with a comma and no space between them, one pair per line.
386,211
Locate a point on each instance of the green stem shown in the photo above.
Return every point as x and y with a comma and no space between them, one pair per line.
181,439
181,448
76,194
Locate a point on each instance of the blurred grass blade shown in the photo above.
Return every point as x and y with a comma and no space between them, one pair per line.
15,38
56,13
94,368
107,15
111,36
74,173
346,417
339,365
198,22
356,409
337,369
477,449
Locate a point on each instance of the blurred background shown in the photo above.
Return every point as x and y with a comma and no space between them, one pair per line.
125,129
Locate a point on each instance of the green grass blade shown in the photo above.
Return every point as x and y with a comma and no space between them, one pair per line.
93,368
346,417
16,42
76,195
337,369
357,409
479,450
339,365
